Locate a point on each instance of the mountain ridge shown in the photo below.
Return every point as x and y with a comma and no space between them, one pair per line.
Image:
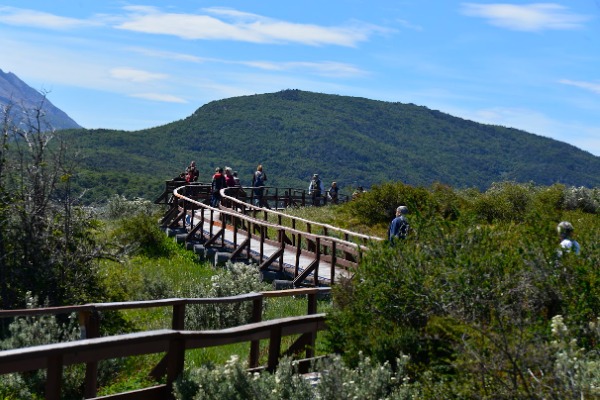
22,99
354,141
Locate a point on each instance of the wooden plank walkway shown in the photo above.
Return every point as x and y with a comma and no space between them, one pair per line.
284,246
289,258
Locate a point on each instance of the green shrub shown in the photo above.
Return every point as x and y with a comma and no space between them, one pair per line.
139,233
234,279
368,381
35,331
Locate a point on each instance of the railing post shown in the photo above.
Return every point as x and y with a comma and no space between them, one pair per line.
175,362
54,377
298,253
312,309
262,242
274,348
92,330
333,260
282,247
318,259
257,306
178,320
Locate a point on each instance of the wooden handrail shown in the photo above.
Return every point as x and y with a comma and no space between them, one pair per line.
325,227
54,357
92,328
320,245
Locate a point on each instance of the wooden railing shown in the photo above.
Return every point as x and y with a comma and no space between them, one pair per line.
248,222
174,342
273,197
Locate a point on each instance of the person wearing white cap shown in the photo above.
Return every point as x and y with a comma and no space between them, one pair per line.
399,227
567,244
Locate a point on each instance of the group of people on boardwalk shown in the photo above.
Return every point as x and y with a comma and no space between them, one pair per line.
315,191
226,177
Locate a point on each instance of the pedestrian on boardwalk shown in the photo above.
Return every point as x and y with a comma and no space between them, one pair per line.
218,183
192,173
236,179
399,227
258,182
332,193
229,179
314,190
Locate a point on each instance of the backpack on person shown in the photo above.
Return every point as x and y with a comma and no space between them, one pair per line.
259,178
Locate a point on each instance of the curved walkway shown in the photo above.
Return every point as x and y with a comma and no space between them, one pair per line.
284,247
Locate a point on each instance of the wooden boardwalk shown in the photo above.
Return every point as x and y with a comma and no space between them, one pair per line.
304,252
269,249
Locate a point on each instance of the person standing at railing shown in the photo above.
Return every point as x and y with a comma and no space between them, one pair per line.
236,179
314,190
258,182
332,193
192,173
218,183
229,179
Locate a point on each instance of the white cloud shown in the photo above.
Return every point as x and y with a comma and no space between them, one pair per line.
326,68
38,19
135,75
528,17
591,86
166,98
240,26
169,55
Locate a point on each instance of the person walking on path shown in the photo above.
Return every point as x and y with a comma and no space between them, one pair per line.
399,227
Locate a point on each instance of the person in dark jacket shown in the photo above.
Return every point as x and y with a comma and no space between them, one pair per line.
258,182
399,227
332,193
314,190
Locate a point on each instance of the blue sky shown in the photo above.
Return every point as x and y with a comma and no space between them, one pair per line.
138,64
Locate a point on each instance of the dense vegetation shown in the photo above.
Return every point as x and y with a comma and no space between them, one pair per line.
475,303
354,141
478,296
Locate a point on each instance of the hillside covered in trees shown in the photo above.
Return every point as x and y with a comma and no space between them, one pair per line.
355,141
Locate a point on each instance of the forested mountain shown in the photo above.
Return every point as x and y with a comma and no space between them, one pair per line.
354,141
23,99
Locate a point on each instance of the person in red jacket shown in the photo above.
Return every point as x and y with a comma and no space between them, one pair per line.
218,183
229,178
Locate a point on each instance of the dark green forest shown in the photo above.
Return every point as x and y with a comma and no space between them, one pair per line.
354,141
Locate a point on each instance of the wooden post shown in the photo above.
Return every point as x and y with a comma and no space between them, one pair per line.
176,358
54,377
262,242
298,252
257,306
312,309
178,320
333,260
92,330
274,348
282,247
318,259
